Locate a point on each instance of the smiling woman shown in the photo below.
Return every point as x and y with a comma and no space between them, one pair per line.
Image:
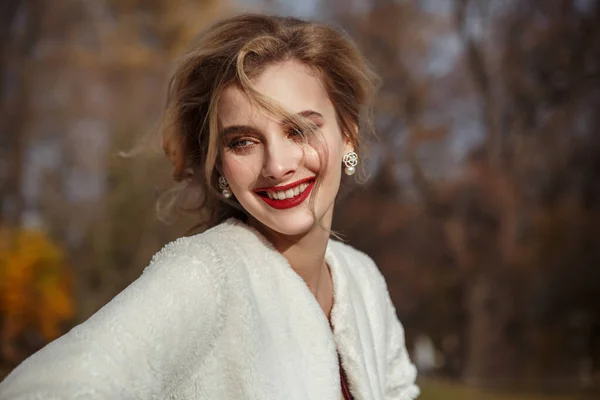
265,155
263,116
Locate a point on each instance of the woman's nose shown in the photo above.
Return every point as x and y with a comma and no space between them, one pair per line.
282,159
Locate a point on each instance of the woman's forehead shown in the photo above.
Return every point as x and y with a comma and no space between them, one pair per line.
290,84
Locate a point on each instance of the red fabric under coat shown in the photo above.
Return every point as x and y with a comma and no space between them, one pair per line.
344,381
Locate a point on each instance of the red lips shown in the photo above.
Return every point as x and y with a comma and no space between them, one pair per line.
286,203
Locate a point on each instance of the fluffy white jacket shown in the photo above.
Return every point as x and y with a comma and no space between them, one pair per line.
221,315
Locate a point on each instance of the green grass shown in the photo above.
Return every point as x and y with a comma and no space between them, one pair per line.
447,390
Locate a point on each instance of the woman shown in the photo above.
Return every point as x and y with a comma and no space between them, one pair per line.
263,115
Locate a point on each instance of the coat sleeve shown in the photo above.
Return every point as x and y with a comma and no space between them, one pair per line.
140,345
401,373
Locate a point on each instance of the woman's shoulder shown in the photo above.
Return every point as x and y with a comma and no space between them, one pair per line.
211,248
143,334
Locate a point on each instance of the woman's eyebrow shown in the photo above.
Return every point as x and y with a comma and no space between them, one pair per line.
240,129
313,115
310,113
235,129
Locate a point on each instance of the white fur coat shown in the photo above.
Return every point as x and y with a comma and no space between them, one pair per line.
221,315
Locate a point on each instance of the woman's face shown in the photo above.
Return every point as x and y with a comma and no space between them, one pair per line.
271,167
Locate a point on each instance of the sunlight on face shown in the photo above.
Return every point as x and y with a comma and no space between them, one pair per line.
270,166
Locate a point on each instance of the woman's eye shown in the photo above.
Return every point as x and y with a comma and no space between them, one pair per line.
240,143
296,132
301,132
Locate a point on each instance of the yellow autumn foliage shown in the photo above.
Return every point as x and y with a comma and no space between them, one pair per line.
35,290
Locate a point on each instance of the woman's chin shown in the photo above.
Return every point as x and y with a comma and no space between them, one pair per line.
294,225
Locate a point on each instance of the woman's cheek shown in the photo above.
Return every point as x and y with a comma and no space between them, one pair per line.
316,156
236,170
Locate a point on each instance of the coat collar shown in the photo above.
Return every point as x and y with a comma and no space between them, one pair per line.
347,313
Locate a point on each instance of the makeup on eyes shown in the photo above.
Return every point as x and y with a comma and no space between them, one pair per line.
240,143
313,119
234,141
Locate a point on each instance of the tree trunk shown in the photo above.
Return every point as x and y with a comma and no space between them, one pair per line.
491,354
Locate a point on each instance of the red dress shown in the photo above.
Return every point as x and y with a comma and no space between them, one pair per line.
344,381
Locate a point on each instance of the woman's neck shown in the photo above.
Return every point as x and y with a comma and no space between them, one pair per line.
306,256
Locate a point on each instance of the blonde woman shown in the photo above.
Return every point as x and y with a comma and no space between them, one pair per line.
262,120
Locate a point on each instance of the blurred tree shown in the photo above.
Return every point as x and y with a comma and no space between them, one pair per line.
78,89
477,258
19,33
121,52
35,291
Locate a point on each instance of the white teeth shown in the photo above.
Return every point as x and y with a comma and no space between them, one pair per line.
287,194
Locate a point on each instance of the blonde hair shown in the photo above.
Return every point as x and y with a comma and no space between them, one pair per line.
235,51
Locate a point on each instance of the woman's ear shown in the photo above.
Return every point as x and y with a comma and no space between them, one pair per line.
348,147
350,139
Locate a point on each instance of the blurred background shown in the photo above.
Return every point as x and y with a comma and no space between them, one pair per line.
482,208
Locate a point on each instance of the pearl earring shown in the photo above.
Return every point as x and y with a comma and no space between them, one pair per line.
224,186
350,161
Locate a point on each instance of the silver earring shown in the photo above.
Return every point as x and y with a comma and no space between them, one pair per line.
224,186
350,161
